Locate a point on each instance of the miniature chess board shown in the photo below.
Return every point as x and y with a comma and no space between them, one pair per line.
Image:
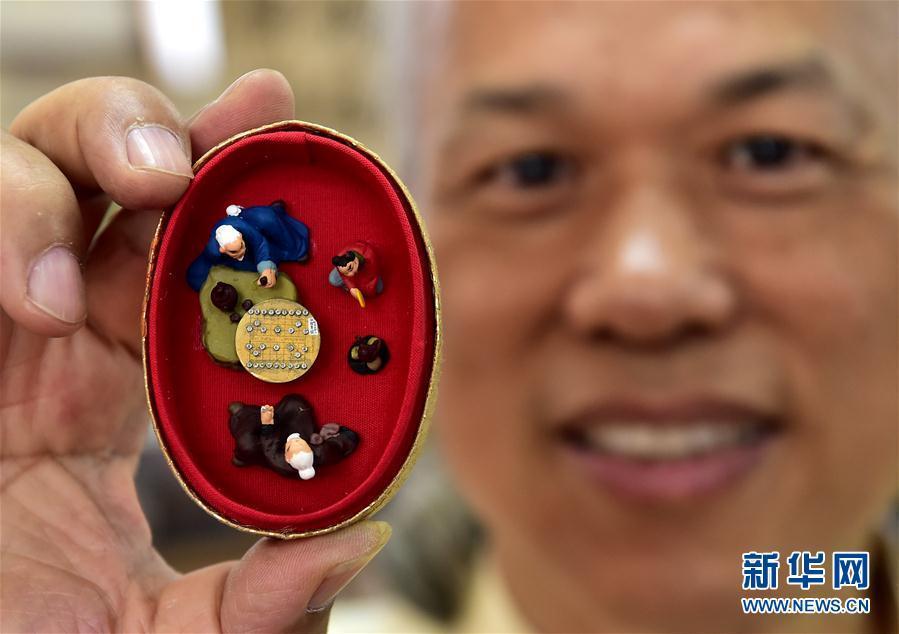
277,341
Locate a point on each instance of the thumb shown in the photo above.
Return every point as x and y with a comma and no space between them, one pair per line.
288,586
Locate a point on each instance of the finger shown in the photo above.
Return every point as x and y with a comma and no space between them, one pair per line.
114,134
288,586
41,244
117,261
255,99
189,603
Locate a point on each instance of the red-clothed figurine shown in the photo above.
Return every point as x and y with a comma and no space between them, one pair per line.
356,270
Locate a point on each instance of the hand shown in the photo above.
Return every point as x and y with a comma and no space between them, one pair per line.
77,552
270,276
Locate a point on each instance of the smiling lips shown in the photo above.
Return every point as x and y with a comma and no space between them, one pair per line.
668,452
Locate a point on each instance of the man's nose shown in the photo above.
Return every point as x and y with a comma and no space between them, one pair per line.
650,274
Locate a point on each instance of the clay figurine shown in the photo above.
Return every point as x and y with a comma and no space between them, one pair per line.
368,355
356,271
252,239
298,455
278,438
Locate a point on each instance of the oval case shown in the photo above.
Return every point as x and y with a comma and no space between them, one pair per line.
344,193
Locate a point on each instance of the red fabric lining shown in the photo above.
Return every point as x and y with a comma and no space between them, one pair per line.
343,197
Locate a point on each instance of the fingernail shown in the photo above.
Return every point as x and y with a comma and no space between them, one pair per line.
341,575
55,285
152,147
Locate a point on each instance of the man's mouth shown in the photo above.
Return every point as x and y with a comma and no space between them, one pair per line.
647,441
668,451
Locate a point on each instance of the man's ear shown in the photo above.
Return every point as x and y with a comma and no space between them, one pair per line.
221,249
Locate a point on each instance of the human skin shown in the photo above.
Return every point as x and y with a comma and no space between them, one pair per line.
270,275
76,553
642,263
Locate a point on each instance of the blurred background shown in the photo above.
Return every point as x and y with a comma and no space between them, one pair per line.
335,55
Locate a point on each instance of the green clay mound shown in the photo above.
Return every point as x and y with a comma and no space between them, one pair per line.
218,330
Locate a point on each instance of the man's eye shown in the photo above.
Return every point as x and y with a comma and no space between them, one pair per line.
531,170
769,153
528,183
777,165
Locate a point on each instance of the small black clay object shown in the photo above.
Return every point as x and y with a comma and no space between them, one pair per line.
335,448
247,304
368,355
224,297
366,351
234,317
284,438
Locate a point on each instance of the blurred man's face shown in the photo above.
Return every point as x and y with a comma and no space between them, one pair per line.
667,239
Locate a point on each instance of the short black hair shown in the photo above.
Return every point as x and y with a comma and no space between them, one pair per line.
344,259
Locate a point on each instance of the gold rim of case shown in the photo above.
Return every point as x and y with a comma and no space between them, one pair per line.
431,398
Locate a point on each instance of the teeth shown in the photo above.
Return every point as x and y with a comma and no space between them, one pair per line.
648,441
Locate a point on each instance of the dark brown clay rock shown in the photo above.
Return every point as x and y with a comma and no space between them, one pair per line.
368,355
224,297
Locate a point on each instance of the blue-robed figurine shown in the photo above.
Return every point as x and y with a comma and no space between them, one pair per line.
252,239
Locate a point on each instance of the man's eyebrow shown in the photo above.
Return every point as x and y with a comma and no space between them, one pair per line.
809,72
513,99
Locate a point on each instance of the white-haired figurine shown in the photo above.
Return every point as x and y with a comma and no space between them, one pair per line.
298,455
252,239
